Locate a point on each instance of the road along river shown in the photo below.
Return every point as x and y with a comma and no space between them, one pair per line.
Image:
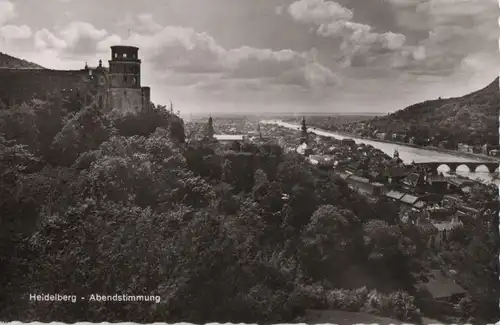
406,153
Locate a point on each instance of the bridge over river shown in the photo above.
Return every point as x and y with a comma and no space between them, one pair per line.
436,160
473,166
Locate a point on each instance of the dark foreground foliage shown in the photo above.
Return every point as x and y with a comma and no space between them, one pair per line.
92,204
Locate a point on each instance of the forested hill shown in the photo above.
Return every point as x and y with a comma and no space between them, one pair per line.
471,119
10,62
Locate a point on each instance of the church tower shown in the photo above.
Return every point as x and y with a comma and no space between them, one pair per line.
125,92
303,131
209,130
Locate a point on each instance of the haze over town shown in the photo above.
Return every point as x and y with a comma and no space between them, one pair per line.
272,55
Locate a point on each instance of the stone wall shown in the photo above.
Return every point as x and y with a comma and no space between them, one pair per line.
146,98
126,100
22,85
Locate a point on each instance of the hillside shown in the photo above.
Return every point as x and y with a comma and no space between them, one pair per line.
10,62
470,119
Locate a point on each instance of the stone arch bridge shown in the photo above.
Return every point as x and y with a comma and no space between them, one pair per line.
473,165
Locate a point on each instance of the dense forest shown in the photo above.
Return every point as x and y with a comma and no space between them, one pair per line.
94,203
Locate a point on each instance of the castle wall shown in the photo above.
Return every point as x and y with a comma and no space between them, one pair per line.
115,88
125,100
22,85
146,98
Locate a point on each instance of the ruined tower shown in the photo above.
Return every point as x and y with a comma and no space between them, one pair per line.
125,92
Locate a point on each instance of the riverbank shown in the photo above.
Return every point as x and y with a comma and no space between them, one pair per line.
441,150
407,152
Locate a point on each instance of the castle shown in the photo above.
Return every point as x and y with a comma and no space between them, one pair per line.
116,88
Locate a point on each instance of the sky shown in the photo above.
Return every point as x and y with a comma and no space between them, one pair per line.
244,56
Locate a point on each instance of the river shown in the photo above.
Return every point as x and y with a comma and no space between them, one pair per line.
406,153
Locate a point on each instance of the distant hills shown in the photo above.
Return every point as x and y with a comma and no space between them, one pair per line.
10,62
470,119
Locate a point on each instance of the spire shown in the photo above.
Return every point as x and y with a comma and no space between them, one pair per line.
303,135
86,65
210,128
100,63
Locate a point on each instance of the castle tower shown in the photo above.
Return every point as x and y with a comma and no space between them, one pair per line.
125,92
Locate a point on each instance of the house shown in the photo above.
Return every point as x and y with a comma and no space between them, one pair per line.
378,189
438,294
413,181
467,213
362,185
411,202
394,196
444,227
395,174
437,183
229,138
304,149
442,288
349,142
455,183
353,167
465,148
322,161
451,200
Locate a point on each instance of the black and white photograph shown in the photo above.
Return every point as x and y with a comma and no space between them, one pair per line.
250,161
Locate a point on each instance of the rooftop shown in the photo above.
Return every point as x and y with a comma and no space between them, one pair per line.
410,199
440,286
394,195
228,137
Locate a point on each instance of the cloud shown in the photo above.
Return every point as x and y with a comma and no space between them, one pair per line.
12,37
140,23
319,11
359,43
81,37
7,11
456,28
44,39
14,32
181,50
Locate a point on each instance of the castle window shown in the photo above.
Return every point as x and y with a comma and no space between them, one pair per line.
116,55
125,55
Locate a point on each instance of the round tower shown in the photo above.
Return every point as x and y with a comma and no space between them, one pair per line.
125,93
125,67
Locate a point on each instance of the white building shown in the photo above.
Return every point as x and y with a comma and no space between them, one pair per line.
228,138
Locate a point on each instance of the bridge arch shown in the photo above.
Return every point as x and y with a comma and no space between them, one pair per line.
470,168
439,165
491,167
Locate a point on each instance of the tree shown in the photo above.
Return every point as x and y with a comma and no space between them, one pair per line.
84,132
330,240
